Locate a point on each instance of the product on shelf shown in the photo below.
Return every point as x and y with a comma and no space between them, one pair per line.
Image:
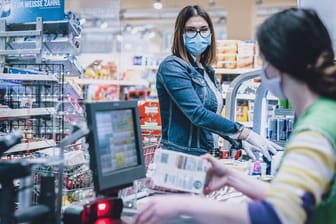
98,70
14,70
227,53
242,112
72,89
257,58
175,171
137,93
38,50
236,54
149,112
279,128
99,92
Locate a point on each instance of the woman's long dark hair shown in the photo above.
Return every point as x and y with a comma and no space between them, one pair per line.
208,57
296,42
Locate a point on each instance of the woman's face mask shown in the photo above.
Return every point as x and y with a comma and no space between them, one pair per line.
196,45
273,84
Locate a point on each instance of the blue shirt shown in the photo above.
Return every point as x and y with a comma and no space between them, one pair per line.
188,107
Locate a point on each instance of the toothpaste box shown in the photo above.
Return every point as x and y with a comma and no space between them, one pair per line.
179,171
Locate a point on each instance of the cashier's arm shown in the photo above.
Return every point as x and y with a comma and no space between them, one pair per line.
163,208
220,175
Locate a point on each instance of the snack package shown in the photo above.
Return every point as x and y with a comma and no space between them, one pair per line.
177,171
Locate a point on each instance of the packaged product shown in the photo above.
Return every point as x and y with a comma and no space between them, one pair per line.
227,46
227,57
176,171
245,61
246,47
257,61
227,64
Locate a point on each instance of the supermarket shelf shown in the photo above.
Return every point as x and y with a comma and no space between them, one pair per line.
62,45
39,41
106,82
6,76
143,67
284,112
58,26
24,99
71,66
250,97
25,112
235,71
50,99
31,146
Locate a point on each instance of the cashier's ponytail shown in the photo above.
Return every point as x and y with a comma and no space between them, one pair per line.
302,48
321,77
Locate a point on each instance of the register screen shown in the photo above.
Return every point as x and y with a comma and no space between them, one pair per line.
116,140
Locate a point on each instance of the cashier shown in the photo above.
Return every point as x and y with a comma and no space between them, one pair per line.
298,64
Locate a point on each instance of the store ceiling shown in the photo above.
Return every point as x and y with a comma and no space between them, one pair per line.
143,9
116,17
178,4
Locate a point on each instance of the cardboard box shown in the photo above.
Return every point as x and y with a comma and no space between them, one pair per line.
179,171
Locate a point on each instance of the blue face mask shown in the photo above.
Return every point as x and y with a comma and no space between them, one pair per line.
197,44
273,85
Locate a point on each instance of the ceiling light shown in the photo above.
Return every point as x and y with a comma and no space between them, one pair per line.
119,37
211,3
82,21
157,4
104,25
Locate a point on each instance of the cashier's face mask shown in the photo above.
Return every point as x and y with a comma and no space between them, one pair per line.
273,84
196,45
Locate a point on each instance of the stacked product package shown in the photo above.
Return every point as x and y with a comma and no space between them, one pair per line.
235,54
175,171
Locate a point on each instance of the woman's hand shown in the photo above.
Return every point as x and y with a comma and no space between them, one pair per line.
217,175
161,208
255,142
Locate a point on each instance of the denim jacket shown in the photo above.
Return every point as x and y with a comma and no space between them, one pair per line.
188,108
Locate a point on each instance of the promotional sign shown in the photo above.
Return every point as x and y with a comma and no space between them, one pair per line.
21,11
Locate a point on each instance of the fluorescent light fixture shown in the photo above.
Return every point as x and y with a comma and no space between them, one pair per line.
104,25
157,4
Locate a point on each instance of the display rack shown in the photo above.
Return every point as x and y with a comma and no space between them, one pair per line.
245,95
122,83
232,93
261,115
35,57
48,42
261,100
28,105
237,71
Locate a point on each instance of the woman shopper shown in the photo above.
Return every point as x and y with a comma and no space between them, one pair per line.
189,93
298,64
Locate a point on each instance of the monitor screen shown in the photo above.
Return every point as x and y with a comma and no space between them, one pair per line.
115,145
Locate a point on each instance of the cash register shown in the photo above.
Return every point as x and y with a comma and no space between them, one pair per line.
116,160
